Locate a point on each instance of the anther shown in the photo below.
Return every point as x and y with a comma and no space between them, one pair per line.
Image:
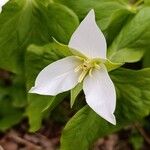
90,72
97,66
78,68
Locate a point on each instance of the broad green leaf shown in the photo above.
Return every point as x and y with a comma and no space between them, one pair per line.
85,127
128,55
35,110
110,15
38,57
133,103
130,44
23,22
74,93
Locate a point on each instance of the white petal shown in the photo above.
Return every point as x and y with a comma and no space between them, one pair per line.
88,38
57,77
100,94
2,2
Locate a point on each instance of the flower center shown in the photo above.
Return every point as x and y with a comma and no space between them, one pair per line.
87,67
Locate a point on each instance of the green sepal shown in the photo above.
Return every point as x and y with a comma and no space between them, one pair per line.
74,93
111,65
71,51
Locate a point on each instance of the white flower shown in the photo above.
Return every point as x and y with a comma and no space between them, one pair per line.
2,2
89,68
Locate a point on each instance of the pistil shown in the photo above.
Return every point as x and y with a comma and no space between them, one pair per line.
86,68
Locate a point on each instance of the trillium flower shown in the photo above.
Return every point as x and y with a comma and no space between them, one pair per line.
2,2
88,67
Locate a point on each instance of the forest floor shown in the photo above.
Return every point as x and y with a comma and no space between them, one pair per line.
48,138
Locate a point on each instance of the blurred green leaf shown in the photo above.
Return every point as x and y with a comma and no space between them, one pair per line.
23,22
146,60
133,40
147,2
9,115
111,15
18,91
136,140
133,103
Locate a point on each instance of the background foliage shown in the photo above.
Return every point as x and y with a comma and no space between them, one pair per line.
27,28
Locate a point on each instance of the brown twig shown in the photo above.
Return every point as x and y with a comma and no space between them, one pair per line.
20,140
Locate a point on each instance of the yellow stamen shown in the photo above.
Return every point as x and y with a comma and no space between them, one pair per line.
97,66
86,67
83,74
90,72
80,58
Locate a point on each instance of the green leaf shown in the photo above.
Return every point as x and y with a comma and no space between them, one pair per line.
133,103
18,91
31,21
147,2
133,40
146,59
9,115
110,15
136,140
128,55
85,127
38,57
36,110
74,93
